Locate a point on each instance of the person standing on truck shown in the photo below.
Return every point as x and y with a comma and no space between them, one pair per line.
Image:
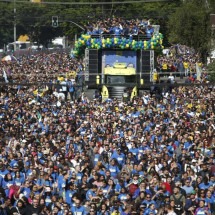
71,88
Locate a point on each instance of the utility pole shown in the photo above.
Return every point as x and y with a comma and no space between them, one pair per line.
14,25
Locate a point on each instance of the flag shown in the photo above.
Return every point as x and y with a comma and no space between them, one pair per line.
5,76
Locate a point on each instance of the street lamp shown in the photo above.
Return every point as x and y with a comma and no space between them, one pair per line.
14,25
77,26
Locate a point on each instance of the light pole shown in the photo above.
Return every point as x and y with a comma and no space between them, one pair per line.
14,25
76,25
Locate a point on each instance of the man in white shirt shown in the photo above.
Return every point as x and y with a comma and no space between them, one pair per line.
59,95
64,88
171,78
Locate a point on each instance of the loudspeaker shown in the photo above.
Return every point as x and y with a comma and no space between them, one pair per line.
145,65
93,65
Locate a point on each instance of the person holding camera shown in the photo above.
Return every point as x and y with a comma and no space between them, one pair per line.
179,200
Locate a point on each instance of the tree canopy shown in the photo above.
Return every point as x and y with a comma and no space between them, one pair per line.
190,25
185,22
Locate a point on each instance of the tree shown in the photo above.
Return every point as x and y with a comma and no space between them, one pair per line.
211,70
6,24
190,26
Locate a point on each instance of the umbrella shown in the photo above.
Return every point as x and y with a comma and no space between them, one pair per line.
9,58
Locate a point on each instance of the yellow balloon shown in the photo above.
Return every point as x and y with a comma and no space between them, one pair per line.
126,45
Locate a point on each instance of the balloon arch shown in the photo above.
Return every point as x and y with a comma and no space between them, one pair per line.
85,41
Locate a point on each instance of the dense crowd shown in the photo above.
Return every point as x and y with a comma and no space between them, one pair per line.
70,155
180,61
54,68
41,67
120,26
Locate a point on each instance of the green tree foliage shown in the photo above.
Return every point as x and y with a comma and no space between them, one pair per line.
6,24
187,22
211,70
190,25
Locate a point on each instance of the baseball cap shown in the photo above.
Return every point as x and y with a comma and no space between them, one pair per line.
143,205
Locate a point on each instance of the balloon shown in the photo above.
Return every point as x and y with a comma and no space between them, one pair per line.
86,41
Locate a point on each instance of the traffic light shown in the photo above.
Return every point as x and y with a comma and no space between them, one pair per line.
55,21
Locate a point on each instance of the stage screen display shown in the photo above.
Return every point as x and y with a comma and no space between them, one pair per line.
125,57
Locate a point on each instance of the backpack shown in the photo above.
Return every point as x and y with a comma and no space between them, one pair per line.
178,203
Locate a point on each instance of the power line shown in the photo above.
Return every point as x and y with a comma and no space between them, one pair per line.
88,3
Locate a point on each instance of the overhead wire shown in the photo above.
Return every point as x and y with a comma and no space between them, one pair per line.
87,3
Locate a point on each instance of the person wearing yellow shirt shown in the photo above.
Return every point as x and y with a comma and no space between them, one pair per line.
200,64
164,68
186,68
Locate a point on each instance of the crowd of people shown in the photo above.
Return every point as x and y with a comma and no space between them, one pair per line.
70,155
53,68
120,26
180,61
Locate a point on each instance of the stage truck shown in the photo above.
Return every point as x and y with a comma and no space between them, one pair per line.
118,73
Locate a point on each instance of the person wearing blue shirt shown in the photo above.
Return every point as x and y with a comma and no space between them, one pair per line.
3,170
135,30
69,193
205,184
7,182
141,188
119,156
25,189
148,200
133,149
106,189
119,185
18,180
96,157
210,200
47,196
91,193
202,210
150,210
116,30
123,195
62,182
113,168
